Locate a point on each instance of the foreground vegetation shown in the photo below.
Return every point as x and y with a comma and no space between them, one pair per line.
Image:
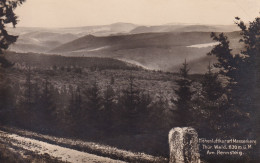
89,147
10,155
92,105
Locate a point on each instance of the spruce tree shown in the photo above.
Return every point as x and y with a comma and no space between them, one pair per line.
93,103
131,95
7,96
28,90
26,101
242,72
47,106
247,88
130,102
211,86
249,74
7,16
72,103
211,104
78,100
75,113
144,108
109,106
109,97
157,113
229,65
184,96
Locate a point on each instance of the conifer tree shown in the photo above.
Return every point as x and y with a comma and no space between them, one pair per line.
75,113
109,97
242,72
26,101
248,77
229,64
130,102
78,100
93,102
131,95
211,104
144,108
247,91
157,115
7,16
211,86
28,90
72,103
184,96
109,105
7,96
47,106
36,93
145,100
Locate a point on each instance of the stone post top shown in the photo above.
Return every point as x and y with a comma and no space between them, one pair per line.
182,129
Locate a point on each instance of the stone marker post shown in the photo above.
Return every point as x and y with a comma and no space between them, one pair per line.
184,146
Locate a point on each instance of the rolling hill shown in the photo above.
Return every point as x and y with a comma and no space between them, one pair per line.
153,47
91,43
165,51
41,40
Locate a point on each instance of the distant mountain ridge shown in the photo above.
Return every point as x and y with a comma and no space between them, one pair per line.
133,41
153,47
185,28
98,30
161,51
41,40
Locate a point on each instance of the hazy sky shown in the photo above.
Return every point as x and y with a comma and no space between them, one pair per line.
70,13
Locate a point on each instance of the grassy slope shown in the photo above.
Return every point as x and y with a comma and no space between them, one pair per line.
11,155
89,147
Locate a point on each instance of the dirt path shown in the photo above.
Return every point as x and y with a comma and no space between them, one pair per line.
65,154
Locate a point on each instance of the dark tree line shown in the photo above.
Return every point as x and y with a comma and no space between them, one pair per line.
227,104
38,105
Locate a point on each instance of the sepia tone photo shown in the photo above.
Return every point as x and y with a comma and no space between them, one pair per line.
139,81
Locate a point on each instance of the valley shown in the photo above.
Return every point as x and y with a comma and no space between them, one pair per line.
162,47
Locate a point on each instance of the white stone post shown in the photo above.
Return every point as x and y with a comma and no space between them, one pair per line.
183,143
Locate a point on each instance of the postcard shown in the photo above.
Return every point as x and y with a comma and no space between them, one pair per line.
129,81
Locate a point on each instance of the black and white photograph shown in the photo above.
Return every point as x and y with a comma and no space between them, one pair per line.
138,81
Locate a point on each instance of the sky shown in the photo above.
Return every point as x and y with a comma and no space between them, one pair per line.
73,13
